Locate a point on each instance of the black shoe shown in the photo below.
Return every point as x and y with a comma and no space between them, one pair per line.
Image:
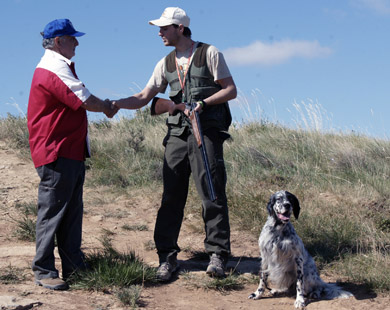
166,269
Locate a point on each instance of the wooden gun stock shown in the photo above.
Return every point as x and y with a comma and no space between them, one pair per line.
159,106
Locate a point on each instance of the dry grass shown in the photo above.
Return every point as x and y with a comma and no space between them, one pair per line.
342,181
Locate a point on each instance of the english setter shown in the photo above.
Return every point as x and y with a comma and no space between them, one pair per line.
284,261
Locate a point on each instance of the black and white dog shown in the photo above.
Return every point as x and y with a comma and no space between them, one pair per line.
284,261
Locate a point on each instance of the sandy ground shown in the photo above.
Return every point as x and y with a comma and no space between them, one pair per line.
107,210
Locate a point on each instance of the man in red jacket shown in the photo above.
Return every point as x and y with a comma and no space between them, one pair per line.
57,124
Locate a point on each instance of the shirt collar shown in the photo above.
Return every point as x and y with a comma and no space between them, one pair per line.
56,55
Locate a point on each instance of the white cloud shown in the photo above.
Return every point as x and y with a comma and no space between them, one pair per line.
259,53
379,6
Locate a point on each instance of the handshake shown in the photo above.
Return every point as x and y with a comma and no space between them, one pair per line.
110,108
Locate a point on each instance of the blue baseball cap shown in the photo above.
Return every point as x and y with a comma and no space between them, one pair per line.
60,27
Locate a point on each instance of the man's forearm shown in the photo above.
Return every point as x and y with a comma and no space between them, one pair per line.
131,103
138,100
95,104
227,92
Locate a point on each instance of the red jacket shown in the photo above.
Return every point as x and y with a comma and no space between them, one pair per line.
56,122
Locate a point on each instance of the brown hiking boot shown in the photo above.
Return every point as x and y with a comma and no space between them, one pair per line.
53,283
217,266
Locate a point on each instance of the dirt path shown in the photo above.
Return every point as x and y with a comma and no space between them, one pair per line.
105,210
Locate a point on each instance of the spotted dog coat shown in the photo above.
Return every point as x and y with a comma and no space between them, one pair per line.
284,261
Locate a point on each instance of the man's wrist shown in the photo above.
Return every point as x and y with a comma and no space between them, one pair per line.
202,104
107,105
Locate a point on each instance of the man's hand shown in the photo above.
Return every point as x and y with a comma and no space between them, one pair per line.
94,104
173,107
110,109
198,108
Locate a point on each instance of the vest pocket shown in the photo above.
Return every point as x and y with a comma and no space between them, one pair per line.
174,120
175,125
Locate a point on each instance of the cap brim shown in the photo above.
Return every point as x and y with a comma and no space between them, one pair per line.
78,34
162,22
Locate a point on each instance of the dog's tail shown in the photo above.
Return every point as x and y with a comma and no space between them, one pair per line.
333,291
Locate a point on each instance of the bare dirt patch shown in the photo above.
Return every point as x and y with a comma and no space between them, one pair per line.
110,211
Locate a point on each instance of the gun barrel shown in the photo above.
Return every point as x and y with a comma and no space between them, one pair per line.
197,131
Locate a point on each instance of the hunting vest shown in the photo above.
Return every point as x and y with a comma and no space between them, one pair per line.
199,85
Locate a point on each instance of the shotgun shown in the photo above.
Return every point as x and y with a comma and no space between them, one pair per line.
160,105
197,131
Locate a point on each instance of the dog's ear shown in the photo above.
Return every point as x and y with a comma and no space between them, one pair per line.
295,204
270,205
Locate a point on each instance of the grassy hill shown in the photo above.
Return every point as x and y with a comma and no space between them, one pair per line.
341,180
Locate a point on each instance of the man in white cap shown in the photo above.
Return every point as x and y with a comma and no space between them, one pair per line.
196,73
57,125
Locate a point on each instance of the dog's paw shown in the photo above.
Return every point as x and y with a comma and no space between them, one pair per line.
276,292
254,295
300,304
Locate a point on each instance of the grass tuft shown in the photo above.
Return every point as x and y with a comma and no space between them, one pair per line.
110,269
137,227
25,229
223,285
130,296
11,275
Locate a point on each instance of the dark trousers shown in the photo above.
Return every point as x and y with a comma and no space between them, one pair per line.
60,213
183,157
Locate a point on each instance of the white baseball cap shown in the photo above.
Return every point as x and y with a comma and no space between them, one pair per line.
172,16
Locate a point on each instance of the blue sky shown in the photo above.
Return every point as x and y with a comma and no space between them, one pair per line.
314,64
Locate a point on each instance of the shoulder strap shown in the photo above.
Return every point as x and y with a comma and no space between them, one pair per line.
170,63
200,55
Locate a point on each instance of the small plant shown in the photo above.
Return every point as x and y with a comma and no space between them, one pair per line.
384,225
129,296
11,275
106,233
25,229
149,245
139,227
26,223
223,285
28,208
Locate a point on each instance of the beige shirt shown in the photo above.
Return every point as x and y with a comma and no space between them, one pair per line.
215,63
